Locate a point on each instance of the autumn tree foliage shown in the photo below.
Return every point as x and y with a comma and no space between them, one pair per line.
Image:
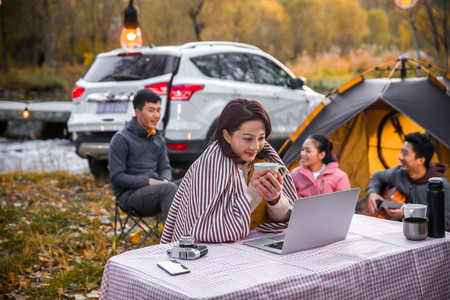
56,32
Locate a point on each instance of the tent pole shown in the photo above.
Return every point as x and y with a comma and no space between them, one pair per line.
403,69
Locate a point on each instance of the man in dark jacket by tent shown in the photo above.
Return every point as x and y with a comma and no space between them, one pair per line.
410,177
139,166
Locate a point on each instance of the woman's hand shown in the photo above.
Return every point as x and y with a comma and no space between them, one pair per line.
268,184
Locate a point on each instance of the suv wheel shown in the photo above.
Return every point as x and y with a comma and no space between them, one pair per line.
98,168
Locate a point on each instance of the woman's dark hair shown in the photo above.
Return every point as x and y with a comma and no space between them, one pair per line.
323,145
236,112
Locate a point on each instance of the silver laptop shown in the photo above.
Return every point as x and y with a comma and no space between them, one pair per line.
315,221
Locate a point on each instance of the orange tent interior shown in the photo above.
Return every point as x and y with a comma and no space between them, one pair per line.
355,144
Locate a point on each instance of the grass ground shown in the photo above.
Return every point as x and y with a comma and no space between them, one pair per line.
56,235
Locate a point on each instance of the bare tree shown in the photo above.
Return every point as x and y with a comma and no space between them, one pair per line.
92,27
72,38
43,53
105,20
52,28
434,30
34,53
446,33
5,48
193,14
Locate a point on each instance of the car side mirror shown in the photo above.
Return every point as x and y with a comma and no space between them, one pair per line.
298,82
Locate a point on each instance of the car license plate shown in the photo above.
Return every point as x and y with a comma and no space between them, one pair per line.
112,107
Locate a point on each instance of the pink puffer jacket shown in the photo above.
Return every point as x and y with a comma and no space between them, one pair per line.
332,179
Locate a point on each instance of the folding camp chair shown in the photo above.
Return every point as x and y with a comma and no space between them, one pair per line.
136,221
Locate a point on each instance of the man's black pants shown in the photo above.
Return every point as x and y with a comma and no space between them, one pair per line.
149,200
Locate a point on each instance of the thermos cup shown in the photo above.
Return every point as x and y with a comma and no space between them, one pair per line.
436,207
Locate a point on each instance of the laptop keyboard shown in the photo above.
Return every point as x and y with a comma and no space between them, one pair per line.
276,245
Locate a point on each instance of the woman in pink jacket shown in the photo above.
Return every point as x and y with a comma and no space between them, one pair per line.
319,171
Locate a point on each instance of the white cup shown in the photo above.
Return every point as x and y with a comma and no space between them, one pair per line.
272,166
412,210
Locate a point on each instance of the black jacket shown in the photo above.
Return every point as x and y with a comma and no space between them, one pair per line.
134,158
415,191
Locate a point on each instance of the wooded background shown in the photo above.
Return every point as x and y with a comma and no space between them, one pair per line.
60,32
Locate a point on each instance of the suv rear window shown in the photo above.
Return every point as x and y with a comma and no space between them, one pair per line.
227,66
133,67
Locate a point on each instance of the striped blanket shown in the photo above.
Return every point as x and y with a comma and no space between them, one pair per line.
211,203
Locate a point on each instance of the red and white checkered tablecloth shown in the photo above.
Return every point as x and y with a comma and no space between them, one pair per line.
375,261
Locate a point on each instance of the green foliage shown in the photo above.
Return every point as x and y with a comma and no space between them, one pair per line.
56,234
33,82
41,84
84,271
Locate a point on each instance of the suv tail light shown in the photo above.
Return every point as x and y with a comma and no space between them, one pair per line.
178,92
184,91
77,91
178,147
130,54
159,88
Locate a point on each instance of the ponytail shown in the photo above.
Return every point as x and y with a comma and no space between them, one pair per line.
324,145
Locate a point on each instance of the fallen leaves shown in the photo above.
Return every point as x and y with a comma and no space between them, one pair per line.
136,238
88,251
45,260
11,277
56,235
93,294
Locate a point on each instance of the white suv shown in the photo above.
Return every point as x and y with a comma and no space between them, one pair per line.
200,78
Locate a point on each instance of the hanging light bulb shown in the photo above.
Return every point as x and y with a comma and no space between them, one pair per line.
131,37
26,113
405,4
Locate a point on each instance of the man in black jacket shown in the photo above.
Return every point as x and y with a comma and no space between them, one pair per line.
139,166
410,177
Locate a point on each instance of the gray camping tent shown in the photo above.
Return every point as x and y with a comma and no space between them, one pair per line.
347,115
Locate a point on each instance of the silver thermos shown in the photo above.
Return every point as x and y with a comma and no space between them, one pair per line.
436,207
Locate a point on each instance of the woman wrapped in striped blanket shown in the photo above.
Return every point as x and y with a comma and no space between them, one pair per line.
220,199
